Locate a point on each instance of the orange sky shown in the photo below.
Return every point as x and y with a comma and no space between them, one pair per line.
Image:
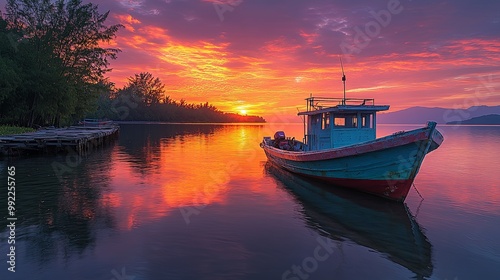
264,58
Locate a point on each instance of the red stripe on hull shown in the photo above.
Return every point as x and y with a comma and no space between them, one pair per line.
391,189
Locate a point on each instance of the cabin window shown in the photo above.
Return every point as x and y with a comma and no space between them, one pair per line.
353,121
326,121
316,119
367,120
347,121
339,121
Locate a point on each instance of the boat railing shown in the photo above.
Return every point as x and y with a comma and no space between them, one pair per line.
308,138
318,103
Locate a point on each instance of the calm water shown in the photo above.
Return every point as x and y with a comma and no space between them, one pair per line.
199,202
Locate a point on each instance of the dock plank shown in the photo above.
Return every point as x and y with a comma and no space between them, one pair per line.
79,138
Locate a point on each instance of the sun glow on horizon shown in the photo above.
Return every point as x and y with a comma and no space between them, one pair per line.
271,74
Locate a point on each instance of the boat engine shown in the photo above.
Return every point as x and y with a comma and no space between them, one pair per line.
280,141
279,135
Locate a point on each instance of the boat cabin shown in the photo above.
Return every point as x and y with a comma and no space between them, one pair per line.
338,122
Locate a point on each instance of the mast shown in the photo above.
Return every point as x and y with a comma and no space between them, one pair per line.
343,78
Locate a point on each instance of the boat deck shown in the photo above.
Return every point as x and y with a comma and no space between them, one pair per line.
79,139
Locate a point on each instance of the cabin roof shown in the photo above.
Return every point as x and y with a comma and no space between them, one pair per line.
319,105
344,108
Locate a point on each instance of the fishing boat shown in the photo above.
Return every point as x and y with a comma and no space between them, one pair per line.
340,146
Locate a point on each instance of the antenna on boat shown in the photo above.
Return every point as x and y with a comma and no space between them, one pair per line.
343,78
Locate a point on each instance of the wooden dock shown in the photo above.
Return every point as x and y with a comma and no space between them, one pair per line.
78,139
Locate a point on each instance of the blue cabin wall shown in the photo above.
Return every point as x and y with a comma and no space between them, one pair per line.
349,136
314,133
334,130
358,127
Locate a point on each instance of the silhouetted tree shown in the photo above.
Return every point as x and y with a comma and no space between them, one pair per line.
58,47
150,89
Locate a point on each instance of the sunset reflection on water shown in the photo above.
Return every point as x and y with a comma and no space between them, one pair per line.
183,201
192,169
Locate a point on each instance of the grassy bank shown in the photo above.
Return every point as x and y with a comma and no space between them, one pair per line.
5,130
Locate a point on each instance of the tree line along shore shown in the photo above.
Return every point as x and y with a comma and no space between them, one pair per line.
53,66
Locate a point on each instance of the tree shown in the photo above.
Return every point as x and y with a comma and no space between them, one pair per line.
10,75
148,88
63,59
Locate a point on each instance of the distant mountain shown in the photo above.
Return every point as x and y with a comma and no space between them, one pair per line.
482,120
420,115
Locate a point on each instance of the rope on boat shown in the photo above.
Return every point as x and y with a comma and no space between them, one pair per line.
420,204
417,191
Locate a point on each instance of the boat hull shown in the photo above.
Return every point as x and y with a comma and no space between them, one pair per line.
385,167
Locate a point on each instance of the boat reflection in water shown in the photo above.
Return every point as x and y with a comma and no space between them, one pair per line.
384,226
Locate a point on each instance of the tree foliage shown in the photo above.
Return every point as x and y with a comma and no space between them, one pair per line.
55,48
149,89
144,99
52,67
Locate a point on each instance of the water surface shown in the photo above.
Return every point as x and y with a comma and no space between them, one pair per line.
171,201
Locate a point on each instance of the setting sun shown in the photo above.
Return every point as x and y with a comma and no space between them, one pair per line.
243,112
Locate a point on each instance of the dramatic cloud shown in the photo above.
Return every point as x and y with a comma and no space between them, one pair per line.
266,56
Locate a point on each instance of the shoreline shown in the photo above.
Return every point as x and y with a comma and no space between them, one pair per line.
190,123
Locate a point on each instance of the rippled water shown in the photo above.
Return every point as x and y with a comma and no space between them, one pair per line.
170,201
